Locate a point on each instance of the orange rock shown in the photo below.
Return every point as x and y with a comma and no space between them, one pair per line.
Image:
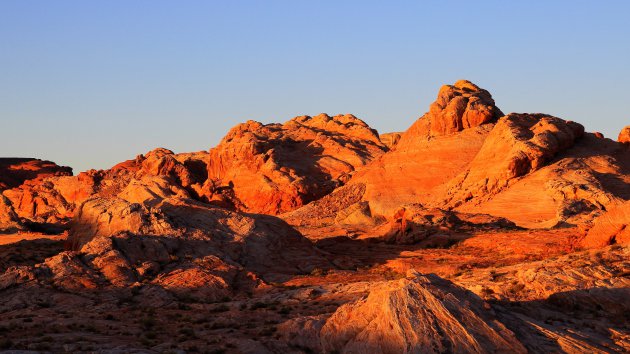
15,171
624,135
160,173
517,145
390,139
276,168
9,221
267,245
460,106
533,169
420,314
612,227
599,135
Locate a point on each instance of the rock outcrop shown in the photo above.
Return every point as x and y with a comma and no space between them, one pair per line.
532,169
390,139
434,150
420,314
264,245
459,106
276,168
9,221
414,223
15,171
518,144
52,199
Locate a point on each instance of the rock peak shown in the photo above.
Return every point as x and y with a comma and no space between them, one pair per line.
461,106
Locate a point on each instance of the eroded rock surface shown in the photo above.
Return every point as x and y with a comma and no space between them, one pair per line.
53,199
459,106
518,144
276,168
420,314
612,227
15,171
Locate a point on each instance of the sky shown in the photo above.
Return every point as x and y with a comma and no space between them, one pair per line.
91,83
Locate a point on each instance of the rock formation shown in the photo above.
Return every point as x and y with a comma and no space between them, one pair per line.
52,199
390,139
15,171
459,106
518,144
413,223
548,167
276,168
434,150
9,221
420,314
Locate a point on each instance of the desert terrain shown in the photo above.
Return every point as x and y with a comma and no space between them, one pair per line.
473,231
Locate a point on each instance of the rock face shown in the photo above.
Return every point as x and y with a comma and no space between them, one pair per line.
613,227
420,314
15,171
174,251
276,168
624,135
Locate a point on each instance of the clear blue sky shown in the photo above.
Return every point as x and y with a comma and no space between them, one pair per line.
92,83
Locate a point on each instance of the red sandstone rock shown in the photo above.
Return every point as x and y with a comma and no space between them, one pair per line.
434,150
148,239
9,221
390,139
420,314
276,168
533,169
460,106
517,145
161,173
265,244
414,223
15,171
612,227
624,135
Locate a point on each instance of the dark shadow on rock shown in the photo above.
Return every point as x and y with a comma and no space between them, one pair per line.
586,315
